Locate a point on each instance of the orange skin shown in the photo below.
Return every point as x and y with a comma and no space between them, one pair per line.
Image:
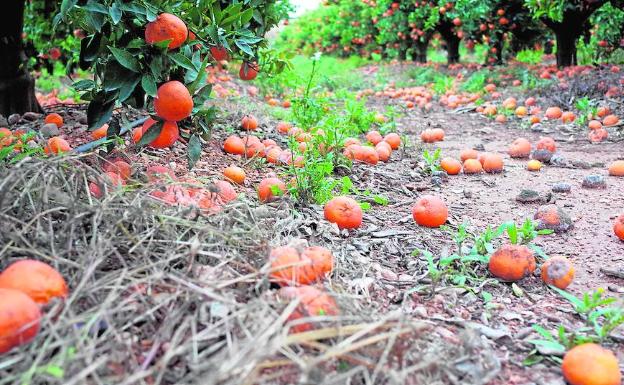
374,137
159,174
113,179
235,174
603,111
597,136
546,143
618,227
384,151
394,140
273,154
520,148
225,191
451,165
472,166
366,154
492,163
255,148
534,165
594,125
535,119
521,112
54,118
249,123
173,101
512,262
344,212
501,119
558,271
100,132
529,102
617,168
166,27
119,167
248,71
219,53
312,303
265,189
430,211
268,143
284,127
286,104
468,154
234,145
56,145
38,280
167,137
19,319
610,120
291,266
591,364
553,112
568,117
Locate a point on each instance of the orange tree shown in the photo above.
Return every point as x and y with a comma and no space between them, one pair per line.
569,20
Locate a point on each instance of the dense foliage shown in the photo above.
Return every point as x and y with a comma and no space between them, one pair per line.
404,30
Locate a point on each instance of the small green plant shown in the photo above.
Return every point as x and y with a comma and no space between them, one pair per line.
600,318
587,109
432,161
476,81
530,56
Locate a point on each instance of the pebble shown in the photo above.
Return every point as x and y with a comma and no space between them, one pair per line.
440,174
14,118
31,116
562,187
479,147
528,196
559,160
543,156
594,181
436,181
581,164
49,130
3,121
537,127
81,118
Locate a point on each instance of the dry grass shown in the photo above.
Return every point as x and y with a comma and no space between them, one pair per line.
163,295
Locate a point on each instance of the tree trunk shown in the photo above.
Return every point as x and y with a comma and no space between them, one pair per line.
446,29
402,54
17,87
566,47
419,54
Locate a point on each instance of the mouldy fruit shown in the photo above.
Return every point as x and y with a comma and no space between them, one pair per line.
553,218
344,212
591,364
312,303
430,211
266,189
38,280
19,319
558,271
512,262
292,266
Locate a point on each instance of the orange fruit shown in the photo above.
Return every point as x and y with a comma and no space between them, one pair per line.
366,154
534,165
596,136
521,111
173,101
166,27
119,167
501,118
235,174
234,145
618,227
468,154
292,266
56,145
520,148
603,111
594,125
167,137
492,163
610,120
394,140
248,71
553,113
54,118
284,127
249,123
591,364
472,166
568,117
266,189
430,211
512,262
451,165
374,137
344,212
617,168
273,154
546,143
99,133
158,173
38,280
312,303
384,151
558,271
19,319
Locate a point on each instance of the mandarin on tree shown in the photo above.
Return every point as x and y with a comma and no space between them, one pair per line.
169,134
166,27
173,101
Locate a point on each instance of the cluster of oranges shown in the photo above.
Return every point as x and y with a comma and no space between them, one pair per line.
25,287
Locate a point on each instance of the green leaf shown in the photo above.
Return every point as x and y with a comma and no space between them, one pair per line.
149,84
100,110
83,85
55,371
126,59
115,13
183,61
151,134
194,150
